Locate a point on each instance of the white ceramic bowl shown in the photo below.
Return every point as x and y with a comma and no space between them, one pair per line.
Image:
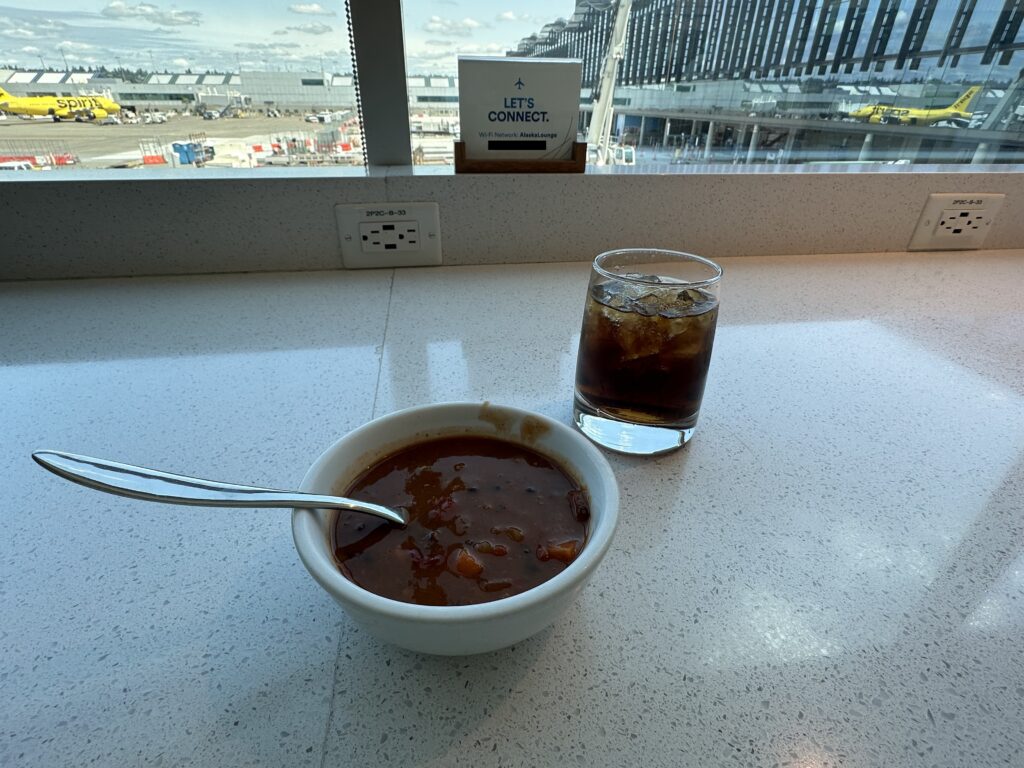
464,629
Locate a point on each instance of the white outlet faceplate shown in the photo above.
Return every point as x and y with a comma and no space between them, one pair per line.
953,221
389,234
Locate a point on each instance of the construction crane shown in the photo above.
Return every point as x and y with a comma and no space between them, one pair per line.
600,133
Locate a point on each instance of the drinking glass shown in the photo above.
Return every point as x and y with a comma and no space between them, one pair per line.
648,329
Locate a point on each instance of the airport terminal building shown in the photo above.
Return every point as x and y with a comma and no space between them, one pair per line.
772,69
300,91
256,90
679,41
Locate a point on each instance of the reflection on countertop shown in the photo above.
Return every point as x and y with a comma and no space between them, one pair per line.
831,573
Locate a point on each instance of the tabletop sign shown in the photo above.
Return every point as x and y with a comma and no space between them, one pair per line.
519,109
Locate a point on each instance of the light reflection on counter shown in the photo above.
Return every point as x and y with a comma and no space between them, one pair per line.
880,466
1000,608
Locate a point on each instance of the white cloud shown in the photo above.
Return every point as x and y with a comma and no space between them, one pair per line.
20,33
311,9
279,49
49,24
425,61
307,29
68,45
29,26
30,49
451,27
118,9
513,16
183,63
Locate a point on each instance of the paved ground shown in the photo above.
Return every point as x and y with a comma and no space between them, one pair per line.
104,146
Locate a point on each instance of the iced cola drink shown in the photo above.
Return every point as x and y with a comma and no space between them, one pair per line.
648,330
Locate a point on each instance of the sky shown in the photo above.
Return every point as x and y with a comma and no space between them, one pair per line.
437,30
230,35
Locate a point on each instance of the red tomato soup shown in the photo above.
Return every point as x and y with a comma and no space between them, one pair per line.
487,519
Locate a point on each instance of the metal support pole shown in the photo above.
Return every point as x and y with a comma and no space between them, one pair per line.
911,148
787,152
707,143
753,143
865,148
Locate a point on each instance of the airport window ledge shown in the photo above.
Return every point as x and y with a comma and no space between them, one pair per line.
120,223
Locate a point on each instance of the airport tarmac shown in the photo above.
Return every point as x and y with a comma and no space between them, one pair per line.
105,146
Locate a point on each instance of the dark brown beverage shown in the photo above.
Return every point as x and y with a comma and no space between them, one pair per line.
644,352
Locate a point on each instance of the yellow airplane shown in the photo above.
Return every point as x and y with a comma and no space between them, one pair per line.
866,112
884,113
78,108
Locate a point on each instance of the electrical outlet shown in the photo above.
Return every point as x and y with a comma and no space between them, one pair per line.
953,221
396,236
389,234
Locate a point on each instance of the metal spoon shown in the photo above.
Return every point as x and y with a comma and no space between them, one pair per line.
152,485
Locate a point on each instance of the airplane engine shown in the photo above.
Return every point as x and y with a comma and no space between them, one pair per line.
99,114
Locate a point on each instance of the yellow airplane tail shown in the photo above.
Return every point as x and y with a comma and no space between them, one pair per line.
961,103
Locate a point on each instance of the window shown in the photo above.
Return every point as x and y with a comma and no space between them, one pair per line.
161,80
734,81
756,81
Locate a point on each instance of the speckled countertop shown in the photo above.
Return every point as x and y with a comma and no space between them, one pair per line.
830,574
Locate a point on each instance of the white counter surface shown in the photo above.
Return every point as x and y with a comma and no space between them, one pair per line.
830,574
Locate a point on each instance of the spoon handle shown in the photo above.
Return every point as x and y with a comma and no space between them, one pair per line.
153,485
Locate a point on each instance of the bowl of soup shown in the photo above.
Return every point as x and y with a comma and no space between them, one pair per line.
510,512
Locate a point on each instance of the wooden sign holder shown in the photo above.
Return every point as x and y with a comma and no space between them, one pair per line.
577,164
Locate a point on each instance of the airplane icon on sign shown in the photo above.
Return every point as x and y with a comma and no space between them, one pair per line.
519,84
